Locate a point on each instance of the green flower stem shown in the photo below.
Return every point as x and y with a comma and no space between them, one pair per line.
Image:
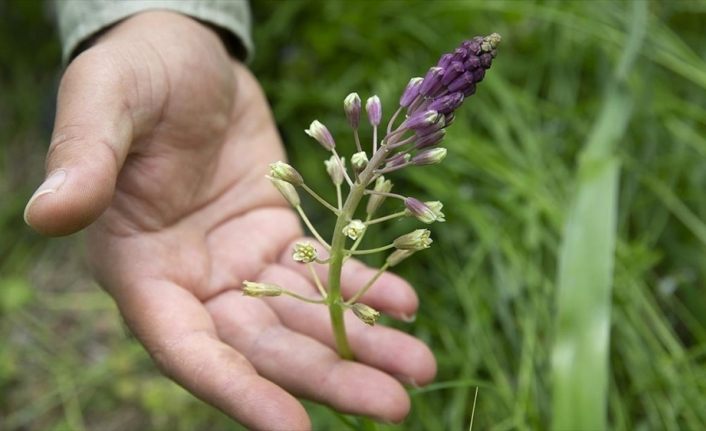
385,218
368,285
337,254
357,140
303,298
389,195
315,277
320,199
311,227
370,250
339,200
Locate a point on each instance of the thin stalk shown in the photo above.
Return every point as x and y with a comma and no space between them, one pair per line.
392,168
392,120
375,139
320,199
357,140
360,238
385,218
370,250
343,168
339,201
317,282
303,298
389,195
312,228
368,285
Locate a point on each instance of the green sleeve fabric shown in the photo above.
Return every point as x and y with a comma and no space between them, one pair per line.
80,19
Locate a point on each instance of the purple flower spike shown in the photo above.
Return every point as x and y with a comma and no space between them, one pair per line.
447,104
374,109
472,47
432,81
460,54
419,210
430,140
467,92
452,72
478,74
411,92
445,60
460,83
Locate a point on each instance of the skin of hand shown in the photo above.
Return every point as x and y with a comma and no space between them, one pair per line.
160,145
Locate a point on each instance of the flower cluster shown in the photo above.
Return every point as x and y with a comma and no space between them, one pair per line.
427,107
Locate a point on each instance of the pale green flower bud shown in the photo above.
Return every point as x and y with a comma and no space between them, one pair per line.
304,252
415,240
398,256
354,229
287,190
430,156
365,313
359,161
435,207
283,171
251,288
374,201
335,169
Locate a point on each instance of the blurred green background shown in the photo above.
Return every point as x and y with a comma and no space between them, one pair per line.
574,195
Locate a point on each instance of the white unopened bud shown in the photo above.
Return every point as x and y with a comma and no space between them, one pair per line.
435,207
365,313
359,161
398,256
304,252
335,169
319,132
287,190
283,171
416,240
351,105
251,288
354,229
374,201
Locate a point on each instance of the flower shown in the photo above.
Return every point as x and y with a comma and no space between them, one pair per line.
398,256
351,105
411,92
287,190
251,288
319,132
435,207
354,229
365,313
374,201
374,109
304,252
418,239
335,169
429,156
283,171
430,140
359,161
422,120
418,209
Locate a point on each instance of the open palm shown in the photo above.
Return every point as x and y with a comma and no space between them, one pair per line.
164,139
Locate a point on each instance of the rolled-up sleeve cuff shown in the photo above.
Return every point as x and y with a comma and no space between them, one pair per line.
80,19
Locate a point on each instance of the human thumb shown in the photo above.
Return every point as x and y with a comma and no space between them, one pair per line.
93,131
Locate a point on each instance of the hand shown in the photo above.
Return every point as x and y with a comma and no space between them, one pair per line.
163,141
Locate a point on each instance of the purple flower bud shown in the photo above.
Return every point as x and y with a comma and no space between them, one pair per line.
447,104
432,81
478,74
460,54
486,60
419,210
439,124
397,160
422,120
430,140
411,92
449,118
469,91
319,132
445,60
472,62
472,47
429,156
374,109
451,72
351,105
460,83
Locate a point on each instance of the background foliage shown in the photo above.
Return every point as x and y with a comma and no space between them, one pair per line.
489,286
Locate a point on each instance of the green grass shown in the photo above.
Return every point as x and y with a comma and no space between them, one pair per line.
572,220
